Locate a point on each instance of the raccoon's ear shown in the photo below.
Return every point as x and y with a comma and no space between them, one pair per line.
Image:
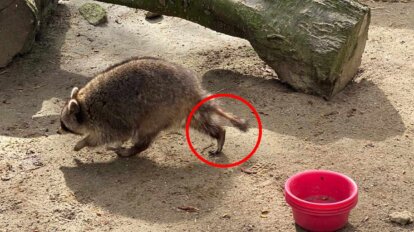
73,106
74,92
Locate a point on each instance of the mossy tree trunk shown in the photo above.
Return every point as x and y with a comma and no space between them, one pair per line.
314,45
20,20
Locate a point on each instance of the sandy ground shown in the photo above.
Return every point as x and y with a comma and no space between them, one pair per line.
366,132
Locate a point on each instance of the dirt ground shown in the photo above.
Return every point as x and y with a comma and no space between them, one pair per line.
366,132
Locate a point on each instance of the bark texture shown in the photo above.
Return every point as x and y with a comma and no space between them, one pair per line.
313,45
20,20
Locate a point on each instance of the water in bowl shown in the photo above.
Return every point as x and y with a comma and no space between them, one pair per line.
320,199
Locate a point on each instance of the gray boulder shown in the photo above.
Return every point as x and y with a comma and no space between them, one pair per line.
20,20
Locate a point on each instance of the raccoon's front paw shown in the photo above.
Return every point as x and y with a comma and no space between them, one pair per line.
79,146
125,152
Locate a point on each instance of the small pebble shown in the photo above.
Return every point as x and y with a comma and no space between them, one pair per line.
152,15
402,218
5,178
93,13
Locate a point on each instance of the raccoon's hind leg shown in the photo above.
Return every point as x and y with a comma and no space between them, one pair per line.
204,123
141,143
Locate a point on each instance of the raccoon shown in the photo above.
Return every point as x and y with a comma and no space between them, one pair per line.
137,99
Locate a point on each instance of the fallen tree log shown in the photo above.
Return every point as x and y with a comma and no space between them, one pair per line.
314,45
20,20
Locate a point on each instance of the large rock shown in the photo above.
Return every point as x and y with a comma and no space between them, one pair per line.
20,20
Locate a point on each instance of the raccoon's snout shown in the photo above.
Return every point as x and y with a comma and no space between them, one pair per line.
63,128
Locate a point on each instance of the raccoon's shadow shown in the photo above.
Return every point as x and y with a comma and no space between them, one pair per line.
140,188
360,111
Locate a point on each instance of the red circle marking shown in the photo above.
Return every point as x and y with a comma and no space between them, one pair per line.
217,165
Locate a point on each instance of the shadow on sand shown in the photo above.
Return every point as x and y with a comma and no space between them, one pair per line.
361,111
140,188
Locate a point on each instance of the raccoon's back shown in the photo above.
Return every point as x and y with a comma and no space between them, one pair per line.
140,87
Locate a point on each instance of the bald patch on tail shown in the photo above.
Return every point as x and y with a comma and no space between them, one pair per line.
241,124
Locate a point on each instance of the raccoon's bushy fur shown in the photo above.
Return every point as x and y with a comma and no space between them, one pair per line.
136,99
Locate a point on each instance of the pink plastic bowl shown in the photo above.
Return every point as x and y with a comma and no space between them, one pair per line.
321,200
